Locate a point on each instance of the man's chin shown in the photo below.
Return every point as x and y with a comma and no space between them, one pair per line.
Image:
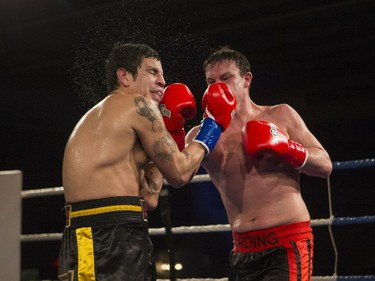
155,101
156,98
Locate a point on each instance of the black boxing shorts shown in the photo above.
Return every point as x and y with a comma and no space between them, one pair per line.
106,239
283,253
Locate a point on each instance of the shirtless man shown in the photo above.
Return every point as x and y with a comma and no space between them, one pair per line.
114,163
256,168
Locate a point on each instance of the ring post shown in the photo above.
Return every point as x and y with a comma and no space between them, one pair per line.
166,219
10,220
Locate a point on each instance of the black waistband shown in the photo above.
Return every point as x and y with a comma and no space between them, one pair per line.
105,211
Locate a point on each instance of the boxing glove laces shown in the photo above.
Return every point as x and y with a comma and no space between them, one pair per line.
261,136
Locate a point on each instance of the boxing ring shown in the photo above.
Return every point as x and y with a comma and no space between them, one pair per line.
11,182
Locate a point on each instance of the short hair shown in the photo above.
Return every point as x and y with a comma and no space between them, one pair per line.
128,56
225,53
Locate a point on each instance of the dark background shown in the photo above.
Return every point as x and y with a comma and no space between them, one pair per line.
317,56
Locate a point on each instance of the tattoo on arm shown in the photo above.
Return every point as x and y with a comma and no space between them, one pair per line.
165,147
144,110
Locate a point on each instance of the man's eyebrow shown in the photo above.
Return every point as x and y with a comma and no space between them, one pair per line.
153,68
226,74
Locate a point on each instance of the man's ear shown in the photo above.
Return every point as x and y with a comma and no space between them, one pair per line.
248,78
124,77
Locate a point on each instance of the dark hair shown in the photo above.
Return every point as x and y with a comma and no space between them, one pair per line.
127,56
225,53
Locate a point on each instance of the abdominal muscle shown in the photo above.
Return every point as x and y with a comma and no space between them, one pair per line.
261,200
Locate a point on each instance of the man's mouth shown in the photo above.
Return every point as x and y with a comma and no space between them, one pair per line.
156,96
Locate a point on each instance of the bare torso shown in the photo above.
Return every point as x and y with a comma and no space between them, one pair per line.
103,156
257,193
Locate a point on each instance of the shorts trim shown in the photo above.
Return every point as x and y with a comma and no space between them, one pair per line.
105,211
86,261
263,239
101,210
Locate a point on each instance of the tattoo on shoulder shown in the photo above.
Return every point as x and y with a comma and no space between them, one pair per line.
165,147
144,110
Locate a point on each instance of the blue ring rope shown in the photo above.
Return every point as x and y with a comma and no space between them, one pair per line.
353,220
354,164
359,278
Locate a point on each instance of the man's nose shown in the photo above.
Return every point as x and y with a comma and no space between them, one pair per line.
161,81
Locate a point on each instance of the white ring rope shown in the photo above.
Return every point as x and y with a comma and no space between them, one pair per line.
200,228
41,192
59,190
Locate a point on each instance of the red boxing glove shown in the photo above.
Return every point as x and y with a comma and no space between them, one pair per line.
259,136
176,106
219,104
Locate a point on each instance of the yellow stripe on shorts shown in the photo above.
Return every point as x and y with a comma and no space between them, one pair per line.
106,209
85,247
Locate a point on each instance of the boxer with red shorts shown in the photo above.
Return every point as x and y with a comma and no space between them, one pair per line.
256,167
279,253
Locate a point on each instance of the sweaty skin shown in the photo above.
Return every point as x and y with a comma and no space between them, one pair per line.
262,192
121,147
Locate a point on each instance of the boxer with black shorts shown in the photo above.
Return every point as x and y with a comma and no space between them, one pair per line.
102,234
256,166
115,162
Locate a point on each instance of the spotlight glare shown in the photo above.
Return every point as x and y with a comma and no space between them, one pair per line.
166,266
178,266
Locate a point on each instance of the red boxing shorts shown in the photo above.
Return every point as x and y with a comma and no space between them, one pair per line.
106,239
282,253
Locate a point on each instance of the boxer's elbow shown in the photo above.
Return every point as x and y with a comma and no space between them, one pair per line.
322,169
180,180
326,166
325,169
176,182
